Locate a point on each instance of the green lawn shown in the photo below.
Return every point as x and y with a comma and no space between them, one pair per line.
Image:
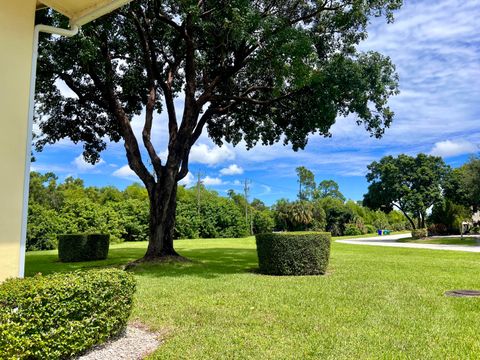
446,241
376,302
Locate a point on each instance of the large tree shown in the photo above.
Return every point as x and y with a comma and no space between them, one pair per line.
411,184
248,70
306,183
329,188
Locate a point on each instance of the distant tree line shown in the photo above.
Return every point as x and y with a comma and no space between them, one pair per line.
404,193
71,207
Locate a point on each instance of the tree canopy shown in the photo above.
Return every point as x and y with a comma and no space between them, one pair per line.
463,184
411,184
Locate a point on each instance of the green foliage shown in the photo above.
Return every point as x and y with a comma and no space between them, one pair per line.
329,188
306,181
61,315
83,247
352,230
419,233
293,69
450,215
370,229
134,215
42,227
217,216
463,185
293,253
437,229
263,221
412,184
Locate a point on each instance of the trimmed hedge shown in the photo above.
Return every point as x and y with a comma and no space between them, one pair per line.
83,247
62,315
305,253
419,233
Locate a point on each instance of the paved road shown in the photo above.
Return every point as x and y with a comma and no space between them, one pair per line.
391,241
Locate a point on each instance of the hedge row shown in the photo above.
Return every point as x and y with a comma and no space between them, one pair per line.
293,253
83,247
61,315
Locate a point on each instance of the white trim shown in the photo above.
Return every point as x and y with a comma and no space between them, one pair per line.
26,177
96,12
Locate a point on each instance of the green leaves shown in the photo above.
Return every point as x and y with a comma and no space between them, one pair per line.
293,253
61,315
410,184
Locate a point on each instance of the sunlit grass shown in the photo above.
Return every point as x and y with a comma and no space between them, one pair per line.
470,241
376,302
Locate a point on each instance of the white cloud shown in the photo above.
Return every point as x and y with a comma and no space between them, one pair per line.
209,181
187,180
450,148
214,155
237,183
266,190
82,165
126,173
233,169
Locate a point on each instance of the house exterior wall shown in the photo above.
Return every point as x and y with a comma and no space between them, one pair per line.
16,41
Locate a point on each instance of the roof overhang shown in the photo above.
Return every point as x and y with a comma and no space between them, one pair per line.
81,12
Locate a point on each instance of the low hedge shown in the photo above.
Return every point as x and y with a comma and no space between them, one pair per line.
83,247
293,253
62,315
419,233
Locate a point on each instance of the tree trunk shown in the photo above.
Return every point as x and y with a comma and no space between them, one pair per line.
163,204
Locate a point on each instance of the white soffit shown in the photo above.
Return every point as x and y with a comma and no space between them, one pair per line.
81,12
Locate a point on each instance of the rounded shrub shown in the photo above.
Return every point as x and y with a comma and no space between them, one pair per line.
61,315
419,233
83,247
352,230
303,253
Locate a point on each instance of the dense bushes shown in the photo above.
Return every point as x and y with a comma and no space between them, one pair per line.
419,233
83,247
293,253
72,208
61,315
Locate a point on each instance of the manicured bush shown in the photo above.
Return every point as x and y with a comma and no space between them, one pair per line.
419,233
83,247
97,246
303,253
58,316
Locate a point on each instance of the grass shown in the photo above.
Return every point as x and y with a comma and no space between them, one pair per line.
469,241
376,302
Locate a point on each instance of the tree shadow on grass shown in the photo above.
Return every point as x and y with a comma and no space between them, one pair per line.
205,263
47,262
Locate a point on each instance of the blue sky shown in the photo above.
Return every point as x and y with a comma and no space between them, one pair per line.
436,48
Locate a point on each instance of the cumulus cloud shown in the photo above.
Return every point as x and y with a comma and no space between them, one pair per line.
125,172
82,165
187,180
209,181
204,154
450,148
233,169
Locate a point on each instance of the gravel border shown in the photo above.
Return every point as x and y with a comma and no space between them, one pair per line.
135,343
